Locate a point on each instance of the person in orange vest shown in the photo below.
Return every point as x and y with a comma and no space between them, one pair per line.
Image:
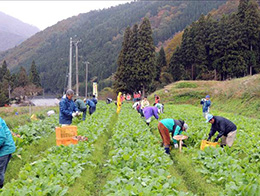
156,99
128,97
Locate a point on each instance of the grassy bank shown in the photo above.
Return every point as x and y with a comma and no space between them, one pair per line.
17,116
239,96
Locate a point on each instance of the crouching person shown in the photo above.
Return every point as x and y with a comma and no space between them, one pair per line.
149,112
7,147
175,127
227,130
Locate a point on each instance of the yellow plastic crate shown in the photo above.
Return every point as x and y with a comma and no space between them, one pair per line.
66,131
66,141
64,135
205,143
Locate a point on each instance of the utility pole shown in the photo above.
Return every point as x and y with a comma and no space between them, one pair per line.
70,66
9,91
77,68
86,91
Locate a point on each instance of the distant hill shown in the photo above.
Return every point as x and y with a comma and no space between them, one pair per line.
13,31
101,33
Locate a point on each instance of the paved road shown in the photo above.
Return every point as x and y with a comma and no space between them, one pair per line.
46,102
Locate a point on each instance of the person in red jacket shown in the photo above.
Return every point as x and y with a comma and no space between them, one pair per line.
156,99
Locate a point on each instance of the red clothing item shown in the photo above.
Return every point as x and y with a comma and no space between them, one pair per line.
157,99
165,135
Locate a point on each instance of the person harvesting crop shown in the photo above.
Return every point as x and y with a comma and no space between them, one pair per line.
175,127
91,104
227,130
149,112
68,109
205,102
7,147
81,107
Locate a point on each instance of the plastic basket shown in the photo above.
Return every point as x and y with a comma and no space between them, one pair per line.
205,143
64,135
66,131
66,141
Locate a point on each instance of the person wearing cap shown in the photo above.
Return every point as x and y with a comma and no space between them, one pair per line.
68,109
205,102
227,130
149,112
91,104
81,107
7,147
175,127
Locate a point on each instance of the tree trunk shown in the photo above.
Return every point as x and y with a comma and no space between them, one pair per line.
192,72
250,67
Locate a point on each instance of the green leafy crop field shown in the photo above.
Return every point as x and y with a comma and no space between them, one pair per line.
123,156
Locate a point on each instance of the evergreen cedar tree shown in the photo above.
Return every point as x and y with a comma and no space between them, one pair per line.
136,61
222,49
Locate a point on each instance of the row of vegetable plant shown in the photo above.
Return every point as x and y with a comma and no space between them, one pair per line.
236,169
62,164
138,165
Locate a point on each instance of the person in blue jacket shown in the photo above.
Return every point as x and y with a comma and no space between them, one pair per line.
205,102
7,147
175,127
68,109
91,104
94,99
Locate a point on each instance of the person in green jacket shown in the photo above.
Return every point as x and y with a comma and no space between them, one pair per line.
175,127
81,107
7,147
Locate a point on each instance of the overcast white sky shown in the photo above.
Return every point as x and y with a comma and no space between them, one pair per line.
43,14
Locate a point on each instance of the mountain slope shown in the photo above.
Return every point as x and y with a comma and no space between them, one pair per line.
101,33
13,31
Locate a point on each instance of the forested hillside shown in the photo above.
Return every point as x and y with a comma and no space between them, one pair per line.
101,33
220,49
13,31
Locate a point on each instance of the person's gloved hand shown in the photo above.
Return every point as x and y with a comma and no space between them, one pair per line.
176,145
216,139
73,114
77,113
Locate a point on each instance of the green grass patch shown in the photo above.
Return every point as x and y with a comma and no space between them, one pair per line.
195,182
29,154
191,96
186,85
